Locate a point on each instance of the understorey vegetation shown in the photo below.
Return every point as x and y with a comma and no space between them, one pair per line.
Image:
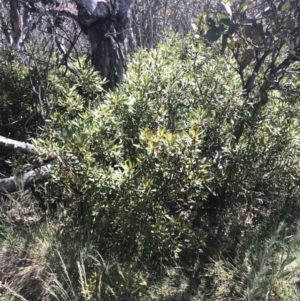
181,183
151,197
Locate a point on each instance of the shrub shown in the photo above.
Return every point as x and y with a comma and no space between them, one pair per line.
152,174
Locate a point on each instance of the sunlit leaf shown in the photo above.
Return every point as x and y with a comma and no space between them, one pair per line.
194,27
286,6
243,8
199,19
224,18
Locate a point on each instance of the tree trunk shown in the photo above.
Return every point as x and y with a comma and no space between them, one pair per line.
106,23
21,23
108,53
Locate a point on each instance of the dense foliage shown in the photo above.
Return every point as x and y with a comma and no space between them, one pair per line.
152,177
180,184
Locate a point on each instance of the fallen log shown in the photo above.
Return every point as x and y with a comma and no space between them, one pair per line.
25,180
17,145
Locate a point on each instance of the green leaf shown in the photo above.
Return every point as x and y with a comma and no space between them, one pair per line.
225,22
260,291
290,23
284,274
266,270
200,18
222,15
286,6
243,8
289,260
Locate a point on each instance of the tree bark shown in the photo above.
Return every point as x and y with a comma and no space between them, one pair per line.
17,145
24,181
21,22
106,23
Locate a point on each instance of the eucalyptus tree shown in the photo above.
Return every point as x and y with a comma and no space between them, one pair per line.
151,19
44,27
105,22
264,39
